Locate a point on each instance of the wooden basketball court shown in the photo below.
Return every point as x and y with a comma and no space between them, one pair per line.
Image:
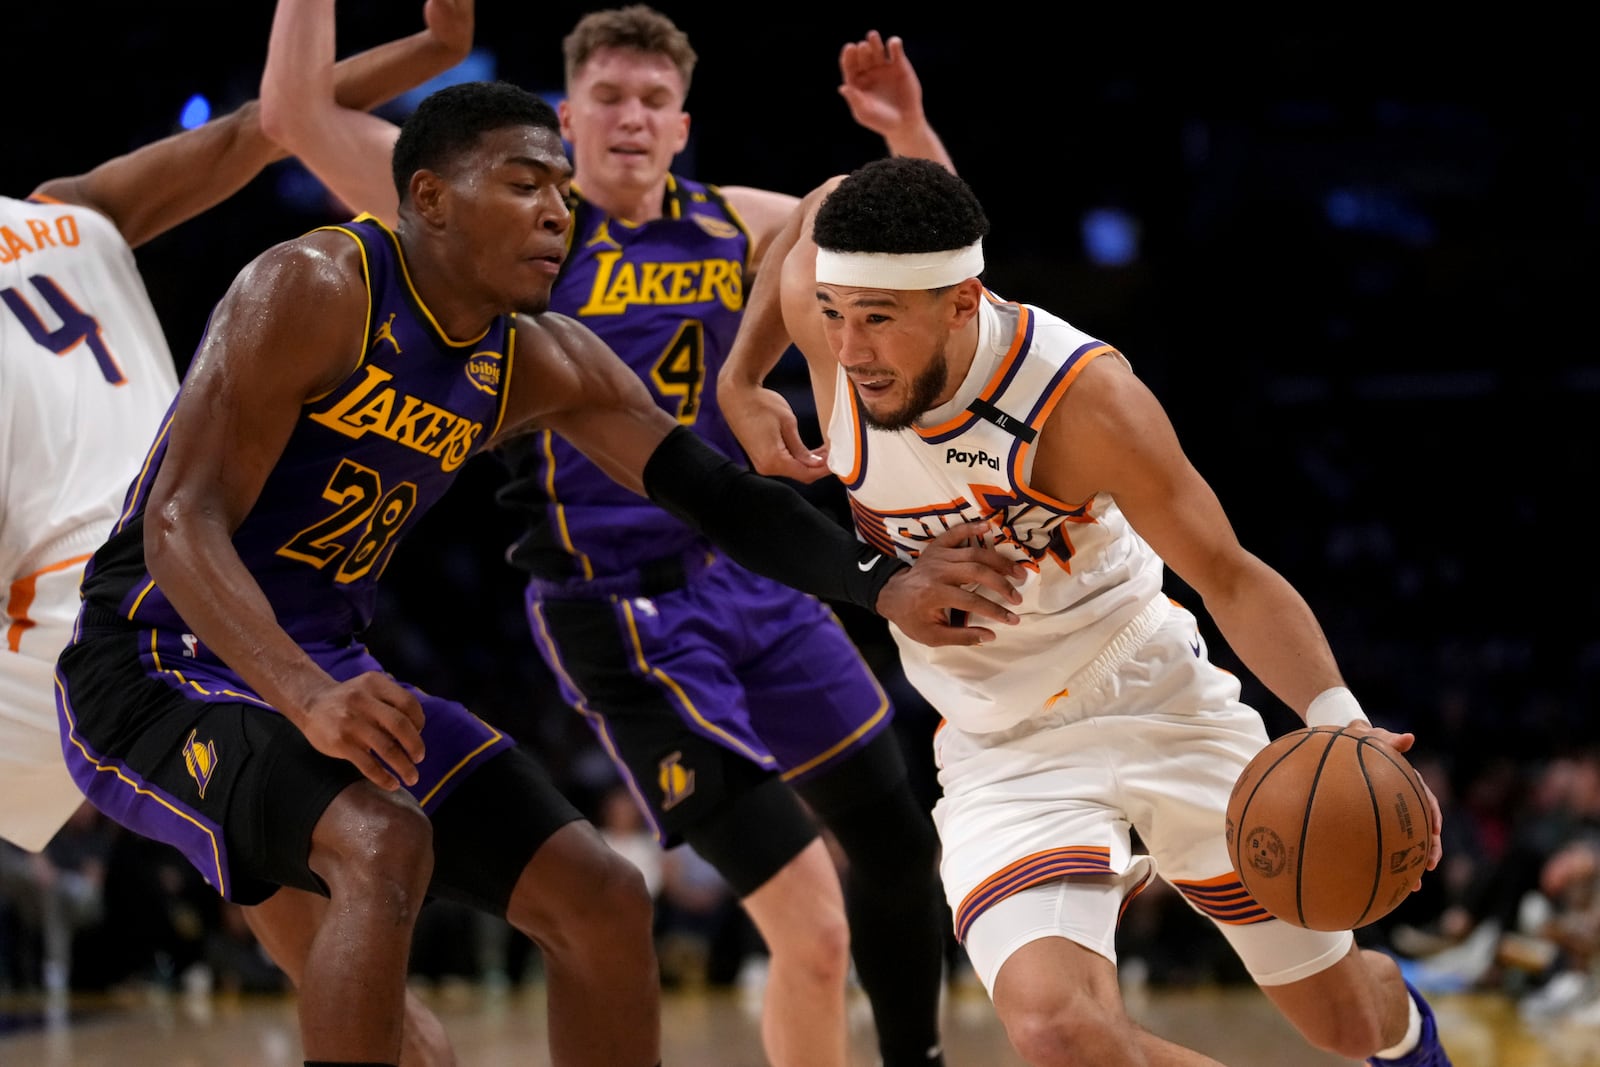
708,1029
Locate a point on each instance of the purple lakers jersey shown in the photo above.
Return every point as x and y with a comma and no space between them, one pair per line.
363,464
666,295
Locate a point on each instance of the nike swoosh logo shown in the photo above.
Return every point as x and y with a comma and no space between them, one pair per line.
1195,646
868,565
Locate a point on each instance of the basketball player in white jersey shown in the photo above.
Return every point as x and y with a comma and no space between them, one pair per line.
1100,712
85,378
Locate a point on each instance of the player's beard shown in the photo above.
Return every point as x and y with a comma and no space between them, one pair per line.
922,393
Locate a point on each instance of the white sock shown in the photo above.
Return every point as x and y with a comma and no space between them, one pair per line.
1413,1033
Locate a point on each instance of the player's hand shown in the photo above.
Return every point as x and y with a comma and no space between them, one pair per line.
765,425
1402,743
450,22
879,85
372,721
946,577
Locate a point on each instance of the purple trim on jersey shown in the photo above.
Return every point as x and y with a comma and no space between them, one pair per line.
1008,374
128,799
1047,395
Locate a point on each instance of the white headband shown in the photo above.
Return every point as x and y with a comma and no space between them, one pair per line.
908,270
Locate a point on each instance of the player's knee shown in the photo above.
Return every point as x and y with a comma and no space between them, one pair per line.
820,952
612,904
376,848
1068,1031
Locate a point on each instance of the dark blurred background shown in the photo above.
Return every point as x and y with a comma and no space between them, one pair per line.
1357,262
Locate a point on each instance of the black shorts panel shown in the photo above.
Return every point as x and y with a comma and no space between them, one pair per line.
681,776
488,829
235,787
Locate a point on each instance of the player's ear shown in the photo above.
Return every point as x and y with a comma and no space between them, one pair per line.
964,300
427,196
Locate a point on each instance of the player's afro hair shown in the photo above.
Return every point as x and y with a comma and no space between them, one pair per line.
899,205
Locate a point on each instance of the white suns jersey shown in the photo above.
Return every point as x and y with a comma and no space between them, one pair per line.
85,379
1091,579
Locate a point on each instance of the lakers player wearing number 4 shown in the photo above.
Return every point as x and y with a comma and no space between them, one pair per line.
1100,712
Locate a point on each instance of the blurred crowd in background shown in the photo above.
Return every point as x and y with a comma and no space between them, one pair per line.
1357,269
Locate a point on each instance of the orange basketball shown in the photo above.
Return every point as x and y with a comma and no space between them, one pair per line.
1328,830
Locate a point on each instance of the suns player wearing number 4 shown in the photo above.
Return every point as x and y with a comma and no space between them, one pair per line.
1100,711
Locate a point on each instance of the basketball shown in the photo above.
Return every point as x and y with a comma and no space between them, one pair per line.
1328,830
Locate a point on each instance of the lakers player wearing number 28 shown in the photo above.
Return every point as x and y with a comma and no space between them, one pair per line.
1099,712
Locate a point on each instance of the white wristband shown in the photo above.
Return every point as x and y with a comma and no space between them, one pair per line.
1335,707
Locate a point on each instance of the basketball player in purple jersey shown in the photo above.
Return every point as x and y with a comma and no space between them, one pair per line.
86,377
700,677
216,694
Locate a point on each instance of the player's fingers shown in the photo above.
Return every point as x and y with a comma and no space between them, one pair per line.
853,58
984,608
943,633
375,772
896,51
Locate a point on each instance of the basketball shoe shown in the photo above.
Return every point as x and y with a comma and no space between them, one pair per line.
1428,1053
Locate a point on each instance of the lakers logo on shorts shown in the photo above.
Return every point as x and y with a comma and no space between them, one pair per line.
201,759
676,781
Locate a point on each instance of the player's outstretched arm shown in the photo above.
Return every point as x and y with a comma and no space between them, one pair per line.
885,95
569,382
160,185
346,147
760,417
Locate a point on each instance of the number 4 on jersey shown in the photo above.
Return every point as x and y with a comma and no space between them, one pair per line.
77,326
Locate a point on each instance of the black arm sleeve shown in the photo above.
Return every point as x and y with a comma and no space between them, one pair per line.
764,524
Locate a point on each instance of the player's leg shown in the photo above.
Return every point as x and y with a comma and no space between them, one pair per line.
285,924
1037,867
1361,1008
241,792
818,708
659,690
1346,1001
766,846
1045,955
897,914
508,843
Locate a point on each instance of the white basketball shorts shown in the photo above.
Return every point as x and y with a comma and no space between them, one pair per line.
1155,747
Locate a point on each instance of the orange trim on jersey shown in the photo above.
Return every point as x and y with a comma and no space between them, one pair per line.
21,597
853,477
1041,867
1020,456
992,386
1224,899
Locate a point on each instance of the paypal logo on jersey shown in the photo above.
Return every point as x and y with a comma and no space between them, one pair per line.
972,459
